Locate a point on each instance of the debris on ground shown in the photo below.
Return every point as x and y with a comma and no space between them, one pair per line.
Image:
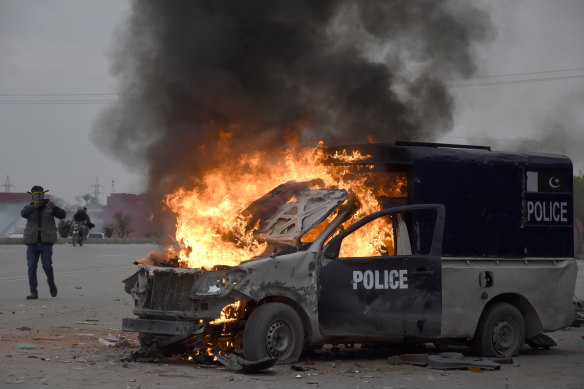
114,341
541,342
26,346
297,368
449,361
233,362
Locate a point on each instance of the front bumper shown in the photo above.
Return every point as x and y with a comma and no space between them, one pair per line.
162,327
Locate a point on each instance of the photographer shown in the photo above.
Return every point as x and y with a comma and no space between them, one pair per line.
40,234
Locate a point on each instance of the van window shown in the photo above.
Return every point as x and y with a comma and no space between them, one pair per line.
373,239
400,233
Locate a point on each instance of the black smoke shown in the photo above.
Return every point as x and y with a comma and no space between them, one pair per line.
204,80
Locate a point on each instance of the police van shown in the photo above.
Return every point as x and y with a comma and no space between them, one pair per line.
477,249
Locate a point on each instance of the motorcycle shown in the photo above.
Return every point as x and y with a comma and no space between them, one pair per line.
78,233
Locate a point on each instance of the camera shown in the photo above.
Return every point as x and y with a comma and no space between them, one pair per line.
39,198
41,202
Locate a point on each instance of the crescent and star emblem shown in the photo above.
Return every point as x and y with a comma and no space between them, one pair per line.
554,182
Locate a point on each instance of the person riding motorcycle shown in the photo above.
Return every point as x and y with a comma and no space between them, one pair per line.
82,218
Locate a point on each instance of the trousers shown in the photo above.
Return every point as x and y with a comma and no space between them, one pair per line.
43,251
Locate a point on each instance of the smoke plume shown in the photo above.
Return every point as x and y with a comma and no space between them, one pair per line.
205,80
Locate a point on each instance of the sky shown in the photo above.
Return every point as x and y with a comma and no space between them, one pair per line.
55,78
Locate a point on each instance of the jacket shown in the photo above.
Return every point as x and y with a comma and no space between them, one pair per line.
45,227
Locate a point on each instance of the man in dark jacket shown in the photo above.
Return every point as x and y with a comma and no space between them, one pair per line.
40,234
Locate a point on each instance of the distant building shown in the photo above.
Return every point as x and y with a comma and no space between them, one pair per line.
133,205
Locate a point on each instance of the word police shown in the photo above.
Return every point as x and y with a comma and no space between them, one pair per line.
547,211
381,279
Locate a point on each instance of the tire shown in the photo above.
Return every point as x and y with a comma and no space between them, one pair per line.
501,332
273,330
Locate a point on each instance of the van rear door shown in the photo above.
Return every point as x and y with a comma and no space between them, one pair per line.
382,276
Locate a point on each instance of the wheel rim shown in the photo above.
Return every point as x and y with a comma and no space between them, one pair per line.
504,337
279,338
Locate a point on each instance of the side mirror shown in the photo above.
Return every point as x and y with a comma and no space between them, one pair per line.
333,249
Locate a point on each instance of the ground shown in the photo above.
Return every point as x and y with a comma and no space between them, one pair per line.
65,332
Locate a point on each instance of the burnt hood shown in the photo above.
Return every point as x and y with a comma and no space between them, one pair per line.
292,209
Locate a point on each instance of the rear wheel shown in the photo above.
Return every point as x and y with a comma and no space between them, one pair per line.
273,330
501,331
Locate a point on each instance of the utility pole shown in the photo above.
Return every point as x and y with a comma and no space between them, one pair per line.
7,185
96,191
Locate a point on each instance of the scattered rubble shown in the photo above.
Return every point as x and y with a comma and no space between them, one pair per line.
449,361
114,341
236,363
26,346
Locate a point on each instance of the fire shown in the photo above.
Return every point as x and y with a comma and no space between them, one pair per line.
355,156
211,229
228,313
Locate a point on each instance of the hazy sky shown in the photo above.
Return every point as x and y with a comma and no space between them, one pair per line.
539,106
55,78
51,53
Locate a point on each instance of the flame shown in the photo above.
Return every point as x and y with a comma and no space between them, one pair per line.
355,156
211,230
228,314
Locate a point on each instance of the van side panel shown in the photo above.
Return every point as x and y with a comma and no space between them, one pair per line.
463,298
496,207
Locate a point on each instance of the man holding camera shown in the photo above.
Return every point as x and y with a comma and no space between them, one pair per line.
40,234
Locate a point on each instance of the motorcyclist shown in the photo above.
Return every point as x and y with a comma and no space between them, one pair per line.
82,218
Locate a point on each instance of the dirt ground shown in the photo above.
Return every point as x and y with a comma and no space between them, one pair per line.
73,358
55,343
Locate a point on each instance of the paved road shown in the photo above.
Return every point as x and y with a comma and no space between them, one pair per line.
91,303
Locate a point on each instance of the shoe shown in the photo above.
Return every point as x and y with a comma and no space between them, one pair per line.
33,296
53,289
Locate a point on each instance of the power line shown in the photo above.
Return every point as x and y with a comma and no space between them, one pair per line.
56,98
55,94
55,102
519,74
519,81
453,83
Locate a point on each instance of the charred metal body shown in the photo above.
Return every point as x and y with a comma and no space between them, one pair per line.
472,258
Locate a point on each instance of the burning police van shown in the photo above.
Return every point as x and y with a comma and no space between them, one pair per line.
474,246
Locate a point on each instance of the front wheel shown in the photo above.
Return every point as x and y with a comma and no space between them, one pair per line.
501,331
273,330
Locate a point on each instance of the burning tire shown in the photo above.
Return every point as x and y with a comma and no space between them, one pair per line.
273,330
501,331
